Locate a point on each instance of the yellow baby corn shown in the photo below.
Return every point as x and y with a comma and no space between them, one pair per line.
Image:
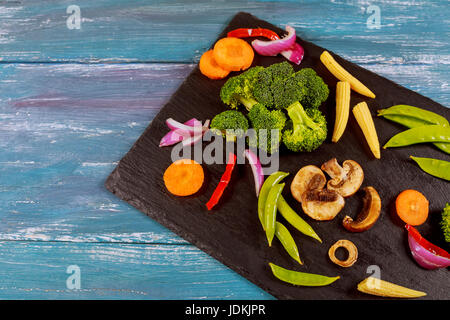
383,288
364,118
339,72
342,109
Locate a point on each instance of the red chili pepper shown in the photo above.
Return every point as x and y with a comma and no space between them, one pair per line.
224,180
258,32
425,243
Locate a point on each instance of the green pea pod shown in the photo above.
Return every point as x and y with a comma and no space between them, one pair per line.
409,122
270,211
301,278
435,167
423,134
412,122
415,115
285,237
295,220
271,180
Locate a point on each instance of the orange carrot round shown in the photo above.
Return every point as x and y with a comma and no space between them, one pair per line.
412,207
184,177
210,68
233,54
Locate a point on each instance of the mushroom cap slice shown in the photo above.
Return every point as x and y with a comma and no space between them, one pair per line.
345,180
369,214
352,253
322,204
307,178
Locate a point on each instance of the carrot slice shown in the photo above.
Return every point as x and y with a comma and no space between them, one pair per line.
184,177
412,207
210,68
233,54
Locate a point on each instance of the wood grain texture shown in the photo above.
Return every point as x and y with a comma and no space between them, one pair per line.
120,30
116,271
232,233
63,130
59,122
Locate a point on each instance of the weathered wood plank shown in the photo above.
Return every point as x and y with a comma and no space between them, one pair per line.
63,129
37,270
113,30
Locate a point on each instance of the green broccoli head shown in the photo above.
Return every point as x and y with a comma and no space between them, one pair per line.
229,123
270,84
316,90
287,92
306,130
239,89
264,121
445,222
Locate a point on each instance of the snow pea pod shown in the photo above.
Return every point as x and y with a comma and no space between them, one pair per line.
270,211
415,115
301,278
410,121
285,237
423,134
272,180
435,167
295,220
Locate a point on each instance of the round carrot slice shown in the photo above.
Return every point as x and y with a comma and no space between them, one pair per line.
233,54
210,68
184,177
412,207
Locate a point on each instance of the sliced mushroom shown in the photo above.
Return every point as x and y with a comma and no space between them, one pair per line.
322,204
345,180
352,253
307,178
369,214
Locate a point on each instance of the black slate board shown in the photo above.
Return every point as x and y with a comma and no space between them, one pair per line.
233,235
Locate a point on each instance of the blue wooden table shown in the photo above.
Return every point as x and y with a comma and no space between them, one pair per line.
79,82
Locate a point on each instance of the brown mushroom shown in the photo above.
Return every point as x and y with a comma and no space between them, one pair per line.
345,180
308,177
369,214
317,202
322,204
352,253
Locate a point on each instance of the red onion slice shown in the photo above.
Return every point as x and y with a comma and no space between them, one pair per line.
294,54
257,170
274,47
173,137
198,135
175,125
176,135
424,257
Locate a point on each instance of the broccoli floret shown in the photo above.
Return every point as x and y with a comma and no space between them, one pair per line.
445,222
263,121
239,89
287,92
226,121
270,84
306,130
278,86
316,90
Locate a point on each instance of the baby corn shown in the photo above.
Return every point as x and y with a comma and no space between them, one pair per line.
342,109
364,118
383,288
339,72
